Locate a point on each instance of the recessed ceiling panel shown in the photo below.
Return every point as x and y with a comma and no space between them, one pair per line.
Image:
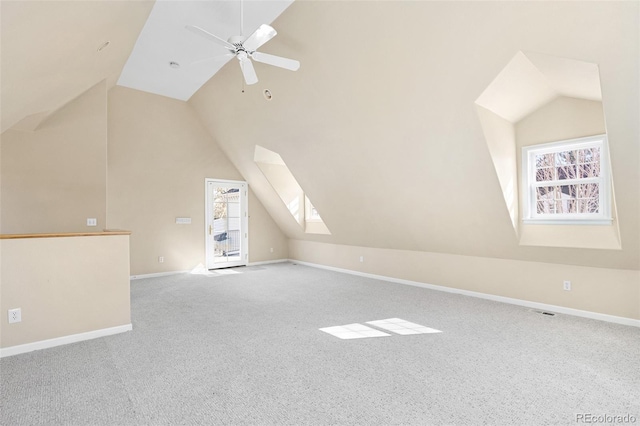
164,40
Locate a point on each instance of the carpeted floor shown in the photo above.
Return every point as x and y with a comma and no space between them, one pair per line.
245,349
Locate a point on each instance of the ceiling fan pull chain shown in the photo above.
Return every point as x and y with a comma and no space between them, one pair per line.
242,18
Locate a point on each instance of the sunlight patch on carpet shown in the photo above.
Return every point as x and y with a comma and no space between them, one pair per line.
400,326
353,331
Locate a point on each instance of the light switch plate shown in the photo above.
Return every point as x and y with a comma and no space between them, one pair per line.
183,220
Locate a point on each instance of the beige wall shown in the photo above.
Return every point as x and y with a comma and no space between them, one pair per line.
159,155
561,119
391,151
54,178
266,240
607,291
64,286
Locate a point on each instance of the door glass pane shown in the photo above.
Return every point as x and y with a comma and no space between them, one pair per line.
220,225
227,217
233,230
226,233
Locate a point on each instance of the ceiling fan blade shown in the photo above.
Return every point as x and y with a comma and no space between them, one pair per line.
260,36
248,71
278,61
209,36
217,58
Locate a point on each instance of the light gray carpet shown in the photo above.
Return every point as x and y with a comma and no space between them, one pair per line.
245,349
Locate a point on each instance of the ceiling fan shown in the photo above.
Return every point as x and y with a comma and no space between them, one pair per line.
244,49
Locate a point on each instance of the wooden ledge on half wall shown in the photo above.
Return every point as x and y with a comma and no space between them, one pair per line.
106,232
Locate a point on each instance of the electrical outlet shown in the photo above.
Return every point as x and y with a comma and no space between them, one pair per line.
566,285
271,249
161,259
15,315
92,221
361,258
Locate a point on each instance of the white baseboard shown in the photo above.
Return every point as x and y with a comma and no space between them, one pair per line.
158,274
65,340
267,262
534,305
164,274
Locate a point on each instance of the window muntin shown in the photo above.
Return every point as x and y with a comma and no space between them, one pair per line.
566,181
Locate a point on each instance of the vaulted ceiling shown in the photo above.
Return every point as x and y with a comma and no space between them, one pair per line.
52,51
49,51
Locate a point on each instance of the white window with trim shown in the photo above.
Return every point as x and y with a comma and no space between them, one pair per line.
567,182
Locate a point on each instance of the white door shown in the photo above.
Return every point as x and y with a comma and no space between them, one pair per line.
226,223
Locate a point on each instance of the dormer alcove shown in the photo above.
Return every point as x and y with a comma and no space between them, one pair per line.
536,100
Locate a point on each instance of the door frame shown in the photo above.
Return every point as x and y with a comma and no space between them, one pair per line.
244,224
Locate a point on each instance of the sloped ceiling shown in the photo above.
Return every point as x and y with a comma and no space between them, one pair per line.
517,91
49,51
50,48
531,80
379,124
164,39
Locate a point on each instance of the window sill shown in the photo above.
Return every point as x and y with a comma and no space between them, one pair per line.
572,235
567,221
